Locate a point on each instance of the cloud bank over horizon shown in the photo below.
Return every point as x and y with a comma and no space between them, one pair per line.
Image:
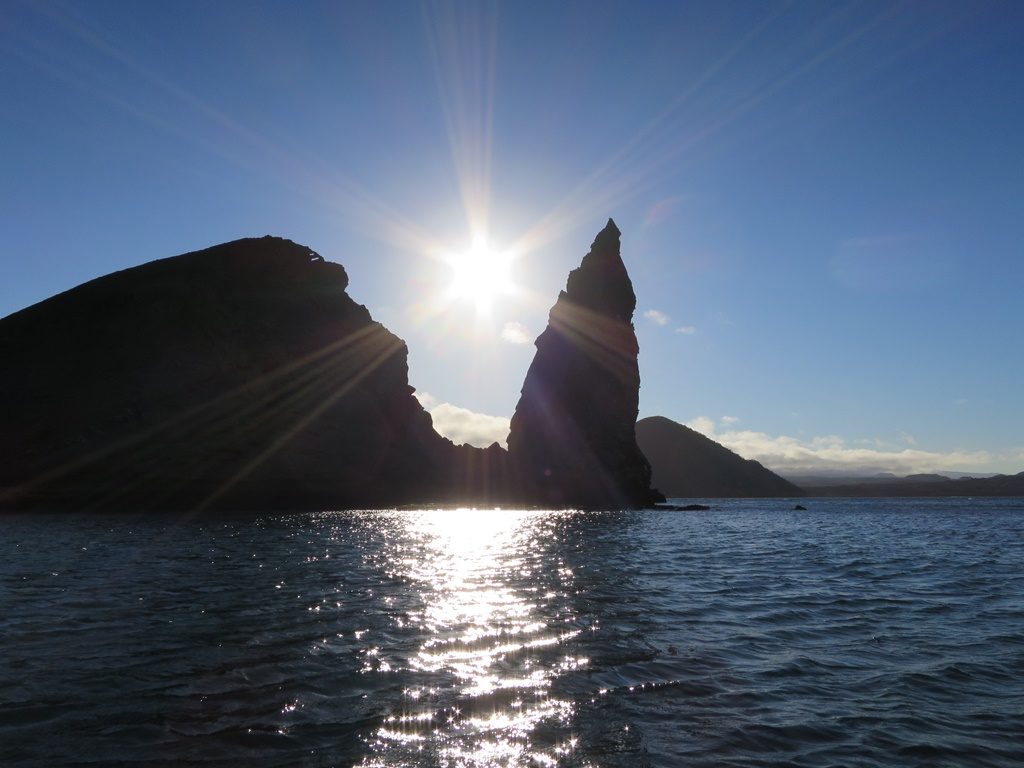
788,455
784,454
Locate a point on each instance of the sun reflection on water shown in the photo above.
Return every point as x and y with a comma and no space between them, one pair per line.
492,642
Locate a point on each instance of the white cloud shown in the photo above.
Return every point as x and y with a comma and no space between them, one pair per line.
515,333
657,317
704,425
729,419
426,400
461,425
688,330
791,455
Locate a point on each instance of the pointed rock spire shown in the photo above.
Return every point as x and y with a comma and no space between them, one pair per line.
573,439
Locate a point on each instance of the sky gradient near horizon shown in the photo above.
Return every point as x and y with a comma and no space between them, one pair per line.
821,204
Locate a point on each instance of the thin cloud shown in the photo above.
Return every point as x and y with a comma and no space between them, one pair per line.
687,330
516,333
661,210
729,420
657,317
461,425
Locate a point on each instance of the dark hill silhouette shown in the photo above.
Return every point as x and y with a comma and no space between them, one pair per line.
240,376
244,377
686,464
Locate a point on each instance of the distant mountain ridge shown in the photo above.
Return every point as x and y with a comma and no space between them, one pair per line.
809,480
686,464
927,485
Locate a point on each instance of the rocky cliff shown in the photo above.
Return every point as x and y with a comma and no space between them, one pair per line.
572,440
241,376
244,377
686,464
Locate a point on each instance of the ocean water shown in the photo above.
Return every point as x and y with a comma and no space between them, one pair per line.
856,633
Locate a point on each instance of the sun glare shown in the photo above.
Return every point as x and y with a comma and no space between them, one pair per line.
480,274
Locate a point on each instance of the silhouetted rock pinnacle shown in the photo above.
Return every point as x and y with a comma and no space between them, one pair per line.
572,438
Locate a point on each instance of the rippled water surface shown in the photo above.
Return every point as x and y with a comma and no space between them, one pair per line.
858,633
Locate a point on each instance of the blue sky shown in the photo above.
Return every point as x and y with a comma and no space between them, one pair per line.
821,203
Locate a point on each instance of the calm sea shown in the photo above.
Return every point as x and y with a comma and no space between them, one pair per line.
857,633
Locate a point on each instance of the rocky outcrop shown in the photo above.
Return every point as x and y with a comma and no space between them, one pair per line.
686,464
242,376
572,439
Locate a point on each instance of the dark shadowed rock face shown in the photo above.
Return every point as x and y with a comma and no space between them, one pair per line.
687,464
572,439
241,376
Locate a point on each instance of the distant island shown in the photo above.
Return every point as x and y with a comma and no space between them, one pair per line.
921,485
244,377
686,464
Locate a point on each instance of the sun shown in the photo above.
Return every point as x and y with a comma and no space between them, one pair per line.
481,274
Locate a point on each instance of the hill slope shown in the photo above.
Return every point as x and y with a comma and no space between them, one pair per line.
686,464
240,376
